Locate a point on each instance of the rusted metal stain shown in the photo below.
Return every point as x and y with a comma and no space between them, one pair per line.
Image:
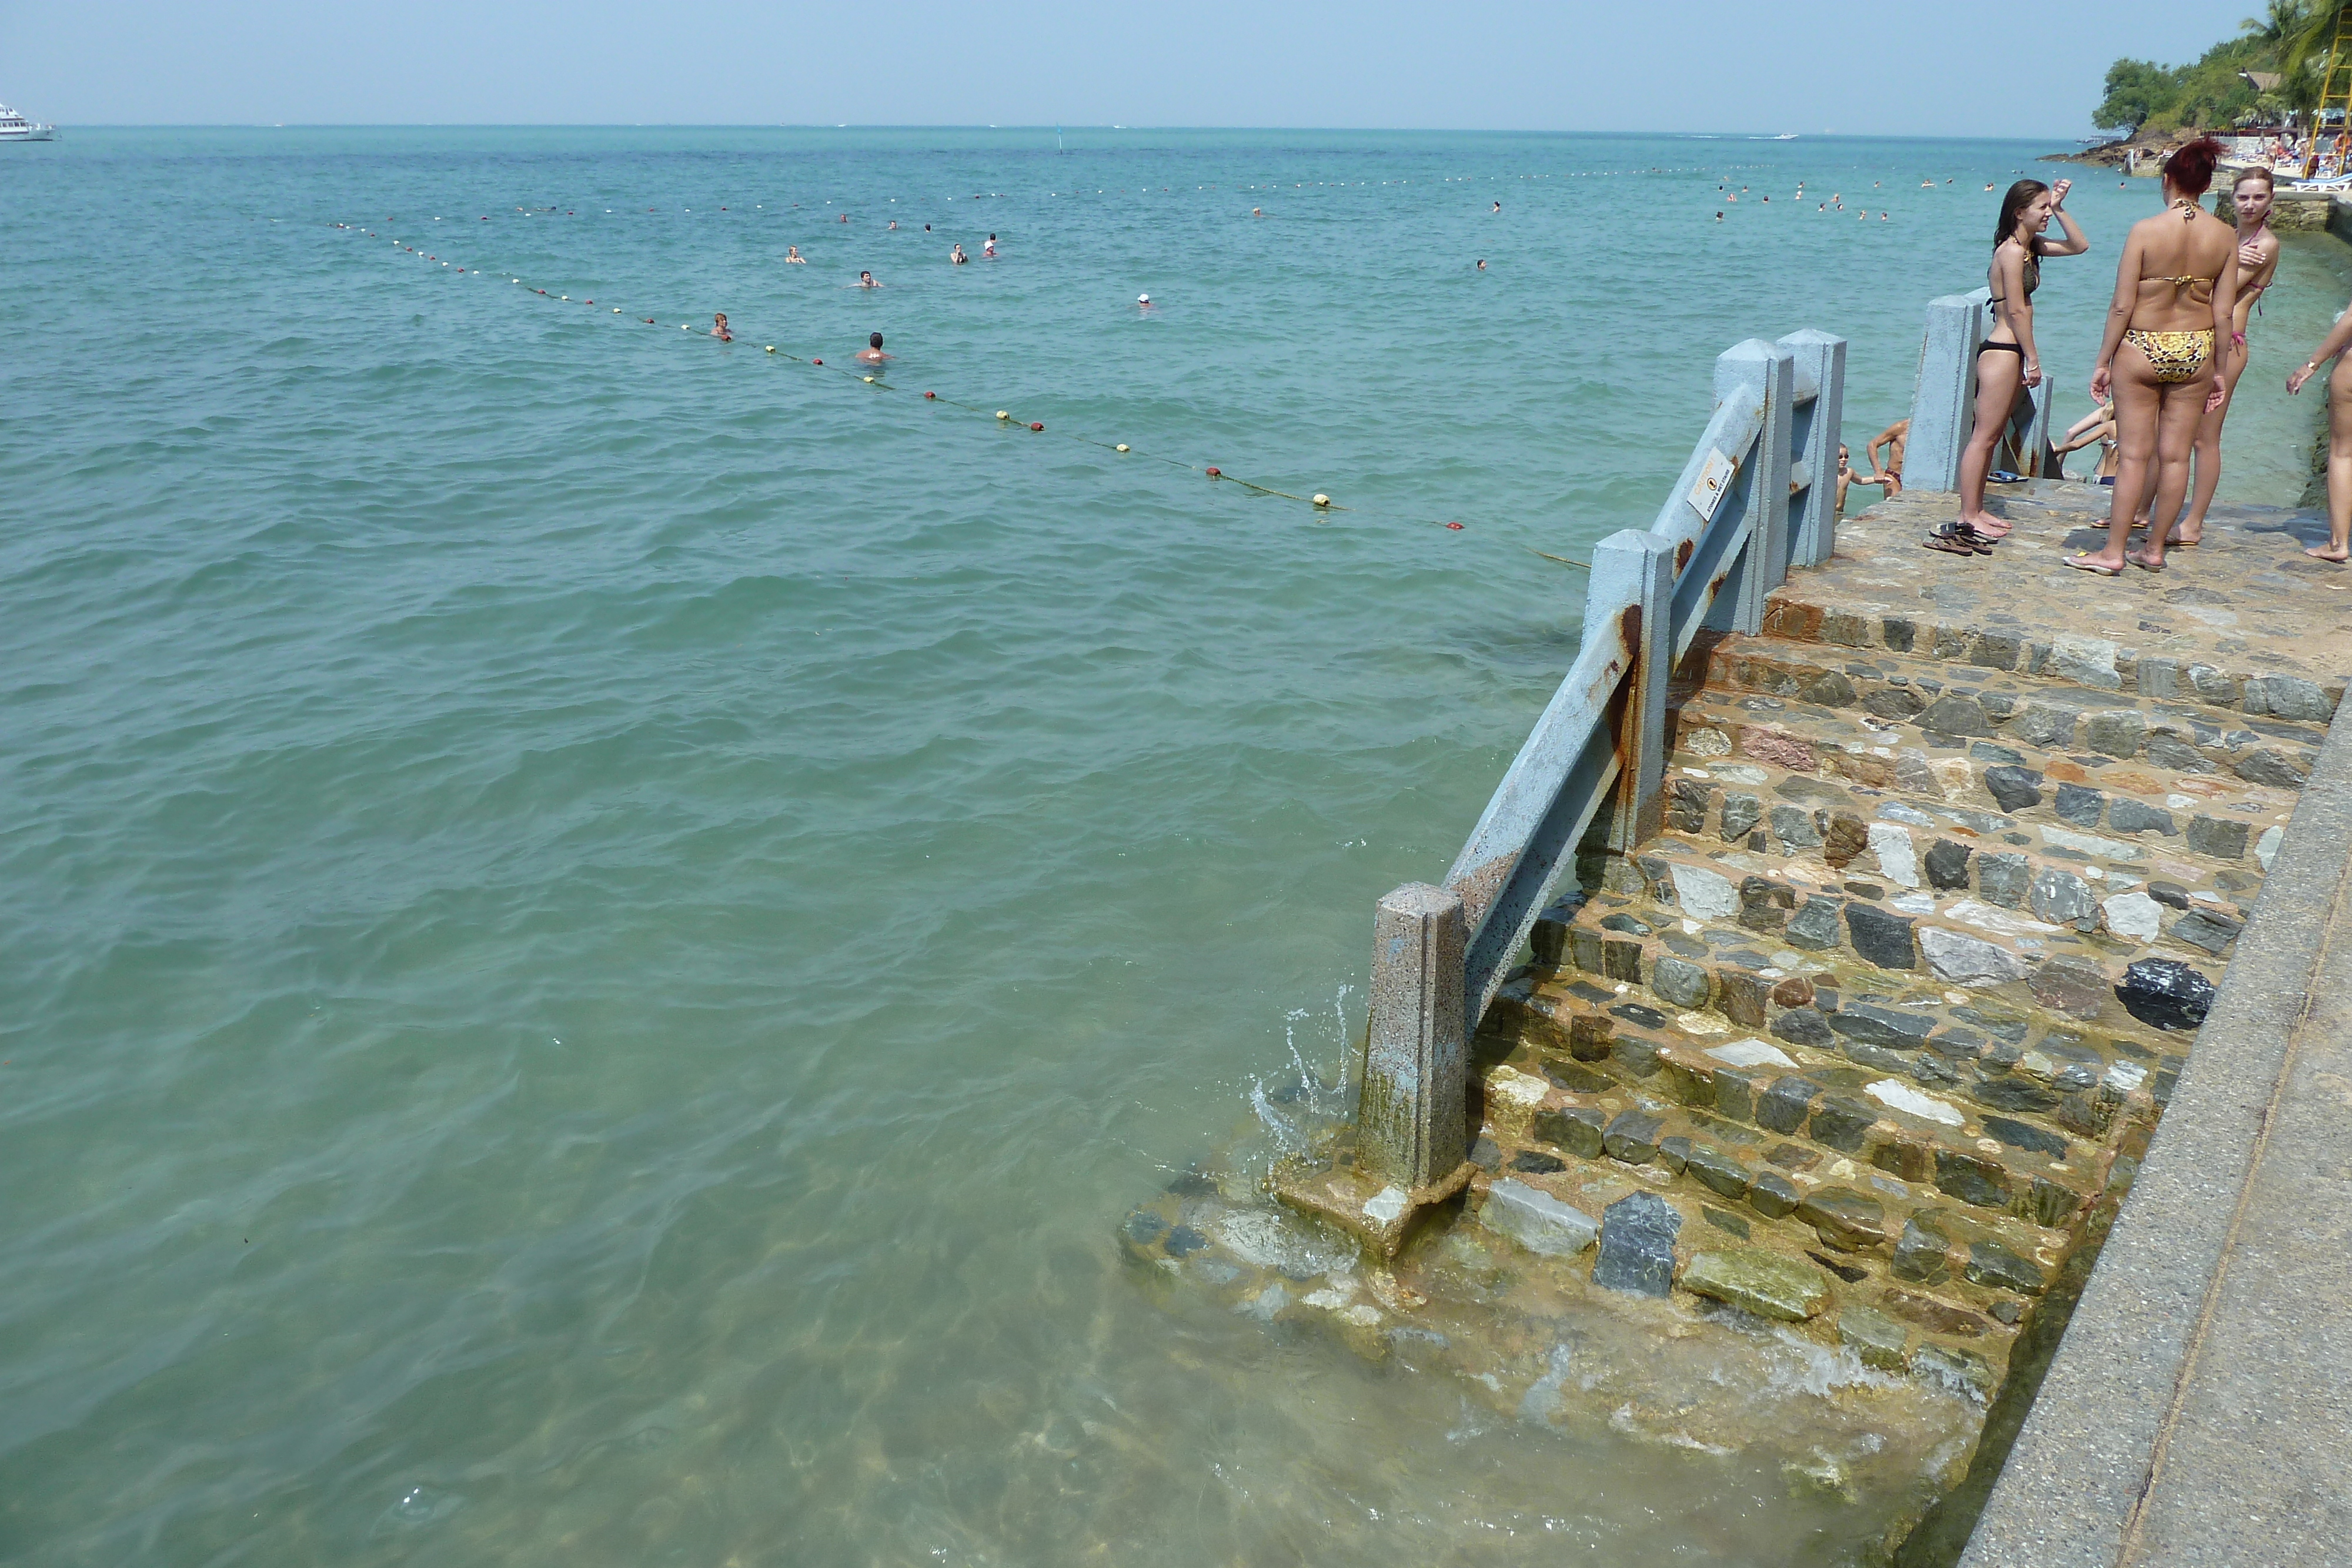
1682,554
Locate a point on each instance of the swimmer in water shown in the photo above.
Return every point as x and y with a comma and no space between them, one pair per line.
989,250
1482,264
956,255
894,223
718,330
844,218
1143,301
872,353
794,257
868,281
1258,212
1498,206
1719,217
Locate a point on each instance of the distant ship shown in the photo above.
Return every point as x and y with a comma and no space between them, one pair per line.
15,127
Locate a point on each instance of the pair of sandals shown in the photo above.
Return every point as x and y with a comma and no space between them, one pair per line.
1959,538
2084,563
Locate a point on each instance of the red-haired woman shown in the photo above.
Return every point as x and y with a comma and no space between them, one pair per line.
2258,259
2009,363
2176,292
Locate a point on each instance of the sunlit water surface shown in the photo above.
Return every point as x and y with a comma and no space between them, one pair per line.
601,927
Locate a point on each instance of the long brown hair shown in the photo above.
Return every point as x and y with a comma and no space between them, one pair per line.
2012,207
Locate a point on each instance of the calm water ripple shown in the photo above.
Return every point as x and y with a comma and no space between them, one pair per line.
602,926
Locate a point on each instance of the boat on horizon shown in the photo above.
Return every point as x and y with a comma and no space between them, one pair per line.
15,127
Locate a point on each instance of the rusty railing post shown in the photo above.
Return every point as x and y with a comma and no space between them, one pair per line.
1769,371
1633,579
1410,1122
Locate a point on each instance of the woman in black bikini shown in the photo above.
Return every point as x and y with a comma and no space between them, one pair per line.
2007,364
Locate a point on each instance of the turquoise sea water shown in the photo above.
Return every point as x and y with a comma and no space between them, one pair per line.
601,927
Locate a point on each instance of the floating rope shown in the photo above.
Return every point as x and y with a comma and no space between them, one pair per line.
1318,502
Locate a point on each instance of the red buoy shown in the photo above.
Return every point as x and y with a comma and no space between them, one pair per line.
816,361
930,394
1214,473
1035,425
1455,526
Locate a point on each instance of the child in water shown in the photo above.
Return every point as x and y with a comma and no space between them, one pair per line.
719,331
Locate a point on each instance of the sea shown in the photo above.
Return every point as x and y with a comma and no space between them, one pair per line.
602,925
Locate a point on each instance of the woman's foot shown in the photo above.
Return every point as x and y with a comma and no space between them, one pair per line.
2337,553
2181,539
1984,525
2145,561
2093,563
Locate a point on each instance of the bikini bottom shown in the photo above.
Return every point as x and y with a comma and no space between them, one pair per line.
2173,356
2001,348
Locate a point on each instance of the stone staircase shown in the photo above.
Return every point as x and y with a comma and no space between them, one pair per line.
1902,985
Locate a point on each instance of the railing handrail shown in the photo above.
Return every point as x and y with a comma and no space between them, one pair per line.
1723,540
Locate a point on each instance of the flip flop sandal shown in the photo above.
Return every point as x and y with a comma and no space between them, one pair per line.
1951,543
2080,563
1969,535
2142,562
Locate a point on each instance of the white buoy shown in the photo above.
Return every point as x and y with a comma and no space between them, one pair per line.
1121,447
1321,500
772,347
1002,414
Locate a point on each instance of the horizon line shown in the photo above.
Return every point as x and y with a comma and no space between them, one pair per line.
1049,128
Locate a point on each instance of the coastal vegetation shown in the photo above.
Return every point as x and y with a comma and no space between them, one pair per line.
2270,72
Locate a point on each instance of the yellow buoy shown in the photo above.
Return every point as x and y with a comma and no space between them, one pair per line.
1121,447
1322,500
868,379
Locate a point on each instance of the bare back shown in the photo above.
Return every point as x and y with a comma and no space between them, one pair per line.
2181,259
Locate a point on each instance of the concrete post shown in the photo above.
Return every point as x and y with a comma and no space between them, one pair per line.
1410,1123
1813,527
1769,370
1945,401
1633,577
2038,461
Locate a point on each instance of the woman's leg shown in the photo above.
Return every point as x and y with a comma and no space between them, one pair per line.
2182,407
1999,375
2136,405
2339,464
2206,457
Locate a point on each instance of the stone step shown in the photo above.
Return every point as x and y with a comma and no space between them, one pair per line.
1949,779
1959,707
2032,894
1975,644
1934,1252
1908,1083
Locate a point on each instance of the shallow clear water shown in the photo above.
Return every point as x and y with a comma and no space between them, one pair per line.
603,927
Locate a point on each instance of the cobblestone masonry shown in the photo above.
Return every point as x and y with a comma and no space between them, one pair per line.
1867,1042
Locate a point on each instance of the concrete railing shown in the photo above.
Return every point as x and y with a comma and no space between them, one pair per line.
1758,495
1944,404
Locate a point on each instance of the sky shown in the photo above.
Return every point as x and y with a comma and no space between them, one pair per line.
1887,68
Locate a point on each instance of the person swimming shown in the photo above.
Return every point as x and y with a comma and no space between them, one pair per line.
956,255
872,353
989,250
894,223
718,330
1482,264
1498,206
793,257
868,281
1258,212
1143,301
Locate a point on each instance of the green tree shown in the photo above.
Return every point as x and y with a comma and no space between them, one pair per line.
2137,91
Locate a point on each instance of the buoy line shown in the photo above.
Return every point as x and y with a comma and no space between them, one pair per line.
1319,502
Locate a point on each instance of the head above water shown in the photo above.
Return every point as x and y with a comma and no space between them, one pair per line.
1143,299
2189,170
874,342
2015,208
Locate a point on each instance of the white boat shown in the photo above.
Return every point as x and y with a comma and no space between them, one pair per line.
15,127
